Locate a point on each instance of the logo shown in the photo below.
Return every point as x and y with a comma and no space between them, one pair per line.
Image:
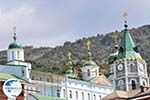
12,88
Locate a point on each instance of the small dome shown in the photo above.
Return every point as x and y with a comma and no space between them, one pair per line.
89,63
14,46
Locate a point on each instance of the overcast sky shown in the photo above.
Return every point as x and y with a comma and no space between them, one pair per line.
52,22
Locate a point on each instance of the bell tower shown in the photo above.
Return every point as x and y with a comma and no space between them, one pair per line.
130,69
15,50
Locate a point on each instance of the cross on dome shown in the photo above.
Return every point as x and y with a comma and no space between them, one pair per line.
88,44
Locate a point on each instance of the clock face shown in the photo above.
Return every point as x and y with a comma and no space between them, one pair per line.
120,67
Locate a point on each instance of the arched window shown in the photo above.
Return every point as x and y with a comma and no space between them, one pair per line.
144,82
94,97
64,92
18,55
58,93
70,93
88,96
88,72
132,67
76,94
100,97
120,83
82,96
133,84
13,55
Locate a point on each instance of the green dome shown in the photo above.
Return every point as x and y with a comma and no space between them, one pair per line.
89,63
14,46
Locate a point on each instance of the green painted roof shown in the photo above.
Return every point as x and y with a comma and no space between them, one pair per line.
127,47
89,63
40,97
14,45
5,76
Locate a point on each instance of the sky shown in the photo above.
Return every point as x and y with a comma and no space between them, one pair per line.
49,23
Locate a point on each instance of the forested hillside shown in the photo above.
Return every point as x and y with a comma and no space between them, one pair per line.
54,59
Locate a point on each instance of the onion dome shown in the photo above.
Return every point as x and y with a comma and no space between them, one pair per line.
89,61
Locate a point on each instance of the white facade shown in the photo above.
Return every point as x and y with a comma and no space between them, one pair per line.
15,54
67,88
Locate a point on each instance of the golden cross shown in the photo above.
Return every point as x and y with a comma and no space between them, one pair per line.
125,15
14,29
69,55
88,44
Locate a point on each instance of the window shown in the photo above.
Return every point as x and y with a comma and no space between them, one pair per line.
120,83
22,71
100,97
96,72
32,77
82,96
18,54
47,79
40,78
70,93
64,92
132,67
76,94
88,96
94,97
133,84
13,55
58,93
144,83
88,72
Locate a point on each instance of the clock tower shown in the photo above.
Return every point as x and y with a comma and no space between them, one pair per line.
130,69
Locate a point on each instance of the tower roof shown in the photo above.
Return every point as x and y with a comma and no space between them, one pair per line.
15,45
128,49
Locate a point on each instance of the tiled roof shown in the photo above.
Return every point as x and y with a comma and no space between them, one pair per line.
127,94
101,80
116,94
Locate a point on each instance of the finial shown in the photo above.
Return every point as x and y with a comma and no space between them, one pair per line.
69,55
14,37
14,29
88,44
125,15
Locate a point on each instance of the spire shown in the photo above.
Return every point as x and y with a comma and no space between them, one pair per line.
88,45
14,37
127,45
